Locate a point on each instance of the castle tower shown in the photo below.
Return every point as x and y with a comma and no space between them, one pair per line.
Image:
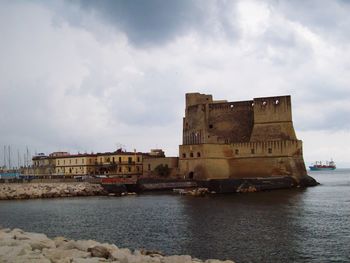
244,139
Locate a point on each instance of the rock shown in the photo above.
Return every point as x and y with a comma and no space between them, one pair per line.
177,259
99,251
89,260
36,241
57,255
10,253
60,240
84,245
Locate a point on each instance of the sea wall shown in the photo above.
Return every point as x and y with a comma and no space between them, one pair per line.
49,190
19,246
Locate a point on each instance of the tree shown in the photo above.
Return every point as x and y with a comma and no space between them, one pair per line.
162,170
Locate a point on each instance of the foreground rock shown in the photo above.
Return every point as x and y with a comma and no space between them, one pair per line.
19,246
49,190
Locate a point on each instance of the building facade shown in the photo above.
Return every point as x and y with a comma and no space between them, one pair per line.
245,139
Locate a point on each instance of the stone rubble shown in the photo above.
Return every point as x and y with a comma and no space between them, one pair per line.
17,246
49,190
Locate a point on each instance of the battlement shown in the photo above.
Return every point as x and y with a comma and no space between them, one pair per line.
197,98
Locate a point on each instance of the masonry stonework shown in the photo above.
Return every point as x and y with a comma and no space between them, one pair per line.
234,140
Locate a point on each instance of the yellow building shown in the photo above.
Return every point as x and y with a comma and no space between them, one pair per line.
43,165
76,165
119,163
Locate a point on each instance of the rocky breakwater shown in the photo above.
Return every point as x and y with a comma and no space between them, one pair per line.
23,247
49,190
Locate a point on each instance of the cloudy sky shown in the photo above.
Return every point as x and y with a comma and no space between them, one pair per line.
84,76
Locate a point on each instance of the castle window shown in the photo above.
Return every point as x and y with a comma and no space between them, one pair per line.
113,160
120,159
191,154
58,162
198,154
237,151
184,155
252,151
270,150
138,159
210,126
149,167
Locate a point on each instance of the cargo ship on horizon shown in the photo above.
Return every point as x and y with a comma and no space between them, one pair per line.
318,166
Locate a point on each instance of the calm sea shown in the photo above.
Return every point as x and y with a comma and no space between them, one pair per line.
299,225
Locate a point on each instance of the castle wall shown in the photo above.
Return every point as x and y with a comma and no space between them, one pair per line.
230,122
242,160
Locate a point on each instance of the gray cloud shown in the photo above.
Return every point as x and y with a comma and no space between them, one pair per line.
154,22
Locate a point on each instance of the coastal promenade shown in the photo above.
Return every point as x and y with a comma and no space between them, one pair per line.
11,191
19,246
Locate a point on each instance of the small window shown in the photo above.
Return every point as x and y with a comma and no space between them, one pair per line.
120,169
198,154
129,159
210,126
129,169
270,150
137,168
149,167
237,151
82,161
252,151
113,160
76,161
191,154
138,159
184,155
120,159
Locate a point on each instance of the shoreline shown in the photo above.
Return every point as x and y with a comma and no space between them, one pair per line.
35,190
19,191
17,245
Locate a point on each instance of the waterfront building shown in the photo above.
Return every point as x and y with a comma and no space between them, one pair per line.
120,163
43,165
70,165
244,139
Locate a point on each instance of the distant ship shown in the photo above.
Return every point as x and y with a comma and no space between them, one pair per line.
318,166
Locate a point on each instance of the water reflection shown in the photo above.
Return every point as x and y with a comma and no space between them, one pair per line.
299,225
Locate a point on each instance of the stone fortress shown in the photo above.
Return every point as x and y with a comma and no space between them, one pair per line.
235,140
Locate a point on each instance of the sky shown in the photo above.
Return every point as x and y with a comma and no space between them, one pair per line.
94,76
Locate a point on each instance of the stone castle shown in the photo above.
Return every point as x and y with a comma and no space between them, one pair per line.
235,140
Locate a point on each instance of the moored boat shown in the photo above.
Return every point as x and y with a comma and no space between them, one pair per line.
318,166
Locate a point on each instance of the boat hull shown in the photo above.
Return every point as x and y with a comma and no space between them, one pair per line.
312,168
